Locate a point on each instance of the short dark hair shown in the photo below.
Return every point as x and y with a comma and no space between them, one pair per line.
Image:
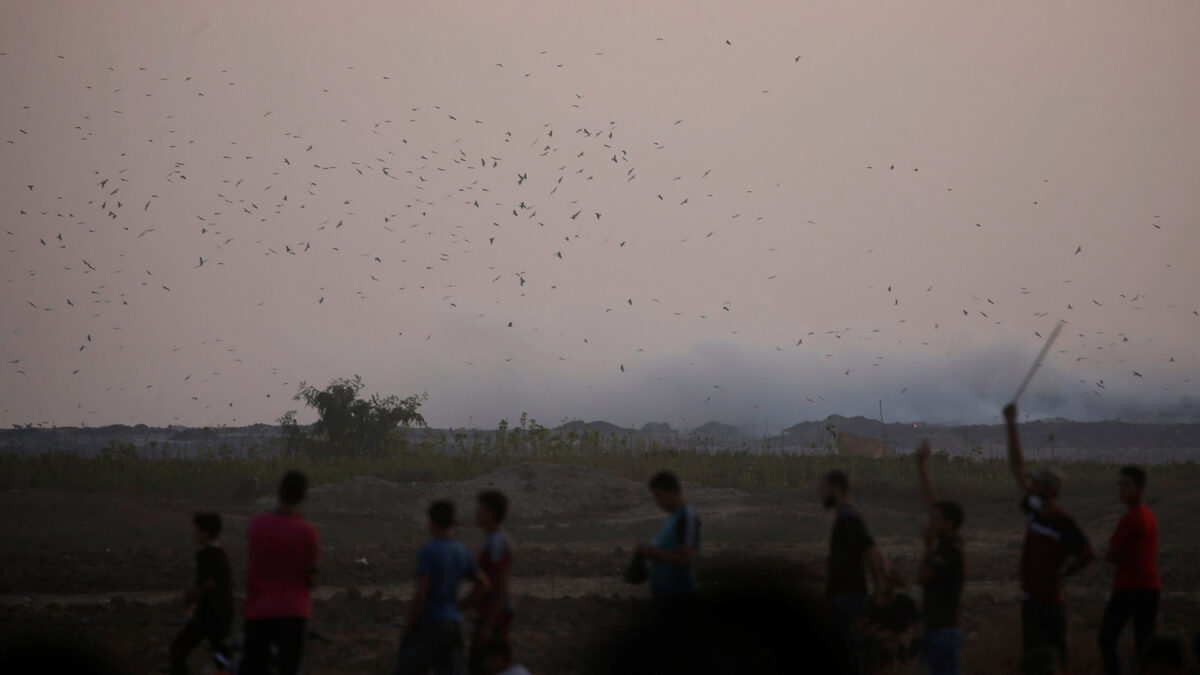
292,487
951,511
665,481
1135,473
495,502
838,479
496,647
208,523
441,513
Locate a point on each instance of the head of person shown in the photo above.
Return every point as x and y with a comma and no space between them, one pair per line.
1046,484
206,527
667,492
1132,485
945,518
496,655
292,488
835,488
441,517
490,509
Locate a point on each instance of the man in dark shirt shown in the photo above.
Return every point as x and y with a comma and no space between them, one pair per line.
941,573
1054,549
851,551
212,596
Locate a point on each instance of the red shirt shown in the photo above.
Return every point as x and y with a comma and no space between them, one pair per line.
280,550
1135,546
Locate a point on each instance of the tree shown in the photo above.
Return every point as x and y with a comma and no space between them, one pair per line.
357,426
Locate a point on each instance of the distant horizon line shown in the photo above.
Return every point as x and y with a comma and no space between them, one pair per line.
634,428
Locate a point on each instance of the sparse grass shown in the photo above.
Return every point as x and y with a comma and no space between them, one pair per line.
213,474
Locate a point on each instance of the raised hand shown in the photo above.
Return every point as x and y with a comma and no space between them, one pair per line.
1010,413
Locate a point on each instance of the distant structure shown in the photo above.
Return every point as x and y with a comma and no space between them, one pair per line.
849,444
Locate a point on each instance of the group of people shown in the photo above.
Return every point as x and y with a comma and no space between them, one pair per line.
1054,548
874,627
282,550
872,624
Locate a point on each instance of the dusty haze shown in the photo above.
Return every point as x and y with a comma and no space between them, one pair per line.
882,203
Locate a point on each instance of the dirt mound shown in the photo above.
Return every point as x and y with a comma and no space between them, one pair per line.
534,491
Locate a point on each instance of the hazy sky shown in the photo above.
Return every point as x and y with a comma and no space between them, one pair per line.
677,211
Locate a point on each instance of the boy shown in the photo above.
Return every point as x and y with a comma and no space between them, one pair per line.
432,636
941,573
494,610
672,553
282,550
1132,549
212,596
1054,549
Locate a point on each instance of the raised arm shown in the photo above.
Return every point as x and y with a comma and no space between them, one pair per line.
1016,458
927,495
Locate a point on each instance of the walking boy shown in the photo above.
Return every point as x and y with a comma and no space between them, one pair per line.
941,573
1132,548
212,596
494,609
672,553
432,637
1054,549
282,549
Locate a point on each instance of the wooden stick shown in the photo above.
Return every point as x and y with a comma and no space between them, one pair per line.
1038,361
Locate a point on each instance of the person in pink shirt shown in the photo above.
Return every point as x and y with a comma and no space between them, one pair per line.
282,551
1133,549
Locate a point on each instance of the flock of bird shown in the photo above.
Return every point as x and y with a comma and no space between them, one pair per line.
426,213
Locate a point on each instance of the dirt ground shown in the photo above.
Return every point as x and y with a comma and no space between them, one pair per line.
110,567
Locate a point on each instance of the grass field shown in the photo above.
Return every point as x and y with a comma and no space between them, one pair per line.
79,531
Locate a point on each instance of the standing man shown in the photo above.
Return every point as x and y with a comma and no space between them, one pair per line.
672,553
282,549
851,552
1054,549
1132,548
941,573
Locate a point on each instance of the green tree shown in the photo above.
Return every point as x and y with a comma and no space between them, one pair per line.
354,425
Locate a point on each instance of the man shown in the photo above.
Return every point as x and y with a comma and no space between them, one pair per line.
672,553
432,635
1132,548
282,549
941,573
1054,549
851,552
